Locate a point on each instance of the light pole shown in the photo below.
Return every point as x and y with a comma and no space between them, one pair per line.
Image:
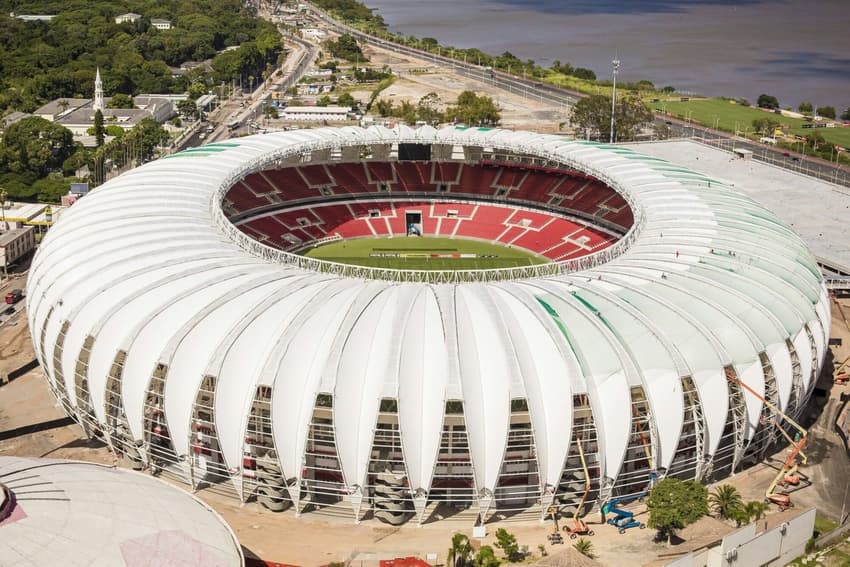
3,208
616,66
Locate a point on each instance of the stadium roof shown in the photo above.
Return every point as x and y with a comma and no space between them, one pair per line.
148,264
75,513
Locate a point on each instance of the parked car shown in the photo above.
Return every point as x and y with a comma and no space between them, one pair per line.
14,296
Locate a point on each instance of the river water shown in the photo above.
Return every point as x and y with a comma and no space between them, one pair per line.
795,50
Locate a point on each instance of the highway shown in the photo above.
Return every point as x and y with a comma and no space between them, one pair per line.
542,92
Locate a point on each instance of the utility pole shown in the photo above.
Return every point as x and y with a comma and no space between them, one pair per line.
3,208
616,67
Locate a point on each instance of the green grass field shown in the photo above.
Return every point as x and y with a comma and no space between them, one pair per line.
727,115
414,253
706,111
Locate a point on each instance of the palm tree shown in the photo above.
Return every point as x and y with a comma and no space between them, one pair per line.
725,501
755,510
460,551
584,546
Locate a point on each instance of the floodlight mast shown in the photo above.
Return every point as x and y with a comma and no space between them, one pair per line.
616,66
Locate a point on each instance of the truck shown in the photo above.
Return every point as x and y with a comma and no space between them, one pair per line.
14,296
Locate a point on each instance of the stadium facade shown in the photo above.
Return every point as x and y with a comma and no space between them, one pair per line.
173,322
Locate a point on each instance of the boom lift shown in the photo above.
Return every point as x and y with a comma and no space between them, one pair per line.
788,473
623,519
579,526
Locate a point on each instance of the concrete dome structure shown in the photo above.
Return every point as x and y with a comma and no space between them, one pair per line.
164,325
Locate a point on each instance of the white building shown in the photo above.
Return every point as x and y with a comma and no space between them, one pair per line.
315,113
33,17
161,24
187,341
128,17
314,33
16,243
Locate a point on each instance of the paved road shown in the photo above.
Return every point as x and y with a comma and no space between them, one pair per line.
806,165
242,108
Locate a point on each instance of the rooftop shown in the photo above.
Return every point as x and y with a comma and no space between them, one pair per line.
816,210
75,513
315,109
60,105
11,235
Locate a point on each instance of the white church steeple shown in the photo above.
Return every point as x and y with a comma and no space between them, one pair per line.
98,92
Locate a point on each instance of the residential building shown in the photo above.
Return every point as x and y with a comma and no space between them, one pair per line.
161,24
14,244
128,17
315,113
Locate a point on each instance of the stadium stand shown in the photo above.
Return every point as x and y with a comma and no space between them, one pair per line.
570,192
551,236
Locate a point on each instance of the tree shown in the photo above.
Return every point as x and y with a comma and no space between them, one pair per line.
36,146
593,115
51,188
585,547
346,47
755,510
805,107
270,111
506,541
120,100
460,552
674,504
187,108
846,114
826,111
474,109
345,99
324,100
767,101
765,125
98,128
486,557
725,500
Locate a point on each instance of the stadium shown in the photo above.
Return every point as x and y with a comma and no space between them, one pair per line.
400,322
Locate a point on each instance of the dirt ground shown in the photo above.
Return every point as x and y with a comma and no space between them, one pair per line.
418,78
317,540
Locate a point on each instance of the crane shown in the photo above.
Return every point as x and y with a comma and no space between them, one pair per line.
788,473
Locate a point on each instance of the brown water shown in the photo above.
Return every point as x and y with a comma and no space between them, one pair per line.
793,49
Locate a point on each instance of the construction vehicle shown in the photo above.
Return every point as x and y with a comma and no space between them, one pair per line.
623,519
788,474
579,527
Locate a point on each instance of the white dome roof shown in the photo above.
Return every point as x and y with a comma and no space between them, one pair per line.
705,280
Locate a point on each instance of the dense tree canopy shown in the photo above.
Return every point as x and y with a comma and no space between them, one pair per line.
346,48
35,145
40,61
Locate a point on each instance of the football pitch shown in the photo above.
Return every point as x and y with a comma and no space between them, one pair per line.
424,253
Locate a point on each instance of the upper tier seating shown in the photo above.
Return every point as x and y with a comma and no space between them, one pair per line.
571,192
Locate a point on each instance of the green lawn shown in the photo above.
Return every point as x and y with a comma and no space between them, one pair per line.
413,253
727,115
705,111
837,135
